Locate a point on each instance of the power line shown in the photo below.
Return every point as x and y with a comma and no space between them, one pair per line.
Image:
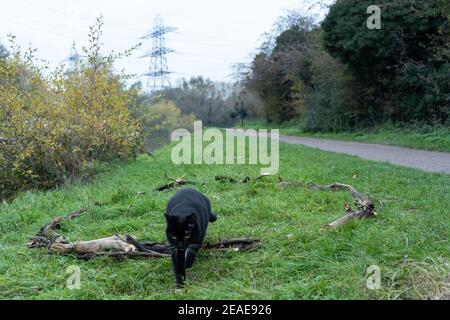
61,12
224,40
134,29
57,34
59,26
206,44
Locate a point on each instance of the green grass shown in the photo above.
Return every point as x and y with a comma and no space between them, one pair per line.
415,137
298,258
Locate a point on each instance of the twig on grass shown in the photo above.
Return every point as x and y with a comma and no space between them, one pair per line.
366,207
47,234
117,247
174,183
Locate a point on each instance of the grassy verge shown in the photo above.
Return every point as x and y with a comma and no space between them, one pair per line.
425,138
298,259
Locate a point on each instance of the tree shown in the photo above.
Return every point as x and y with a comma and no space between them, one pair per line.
240,112
282,68
397,64
204,98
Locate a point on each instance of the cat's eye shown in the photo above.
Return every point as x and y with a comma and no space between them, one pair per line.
174,237
187,235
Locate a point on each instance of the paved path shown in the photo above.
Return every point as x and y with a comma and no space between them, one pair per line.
425,160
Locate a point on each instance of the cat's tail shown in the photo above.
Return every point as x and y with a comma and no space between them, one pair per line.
213,217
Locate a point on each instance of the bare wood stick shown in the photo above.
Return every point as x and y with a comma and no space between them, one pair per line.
345,219
114,244
55,223
48,232
263,176
116,247
225,179
366,207
231,179
173,185
240,244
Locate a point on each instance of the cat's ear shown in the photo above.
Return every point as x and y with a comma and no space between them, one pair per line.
192,219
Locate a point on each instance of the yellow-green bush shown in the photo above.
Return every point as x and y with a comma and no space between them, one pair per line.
158,120
164,115
53,125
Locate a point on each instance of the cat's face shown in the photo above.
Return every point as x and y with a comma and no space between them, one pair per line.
180,229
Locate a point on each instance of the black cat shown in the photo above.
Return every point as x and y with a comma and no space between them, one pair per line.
188,214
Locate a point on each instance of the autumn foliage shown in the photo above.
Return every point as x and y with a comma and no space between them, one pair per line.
55,124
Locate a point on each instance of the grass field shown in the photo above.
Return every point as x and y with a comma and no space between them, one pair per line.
298,258
415,137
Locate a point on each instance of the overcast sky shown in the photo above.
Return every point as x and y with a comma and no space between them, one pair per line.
212,34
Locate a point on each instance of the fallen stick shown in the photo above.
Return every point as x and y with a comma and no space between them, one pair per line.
366,207
47,234
245,180
265,175
175,183
116,246
231,179
121,248
239,244
113,244
225,179
345,219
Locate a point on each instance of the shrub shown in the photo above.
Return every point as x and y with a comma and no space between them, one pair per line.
158,120
54,125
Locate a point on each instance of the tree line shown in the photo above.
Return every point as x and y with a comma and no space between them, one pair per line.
340,75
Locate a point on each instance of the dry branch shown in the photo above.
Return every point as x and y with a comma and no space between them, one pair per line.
265,175
245,180
47,234
129,247
238,245
173,184
116,246
225,179
366,207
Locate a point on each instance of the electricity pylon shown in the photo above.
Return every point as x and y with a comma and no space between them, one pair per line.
74,58
158,73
